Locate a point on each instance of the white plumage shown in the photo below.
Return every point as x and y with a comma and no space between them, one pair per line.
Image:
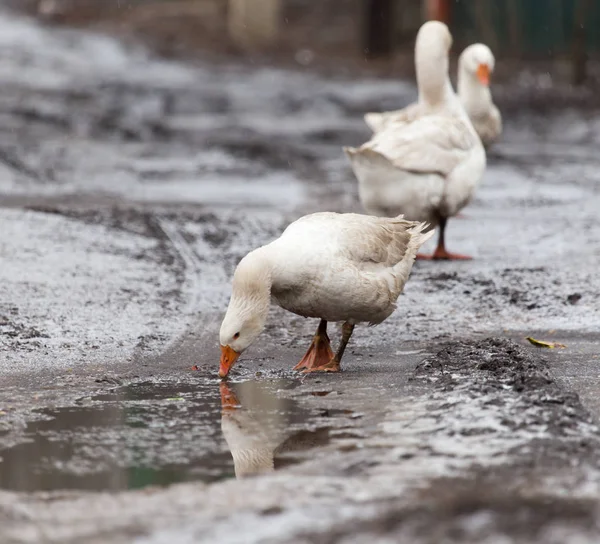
475,64
337,267
323,257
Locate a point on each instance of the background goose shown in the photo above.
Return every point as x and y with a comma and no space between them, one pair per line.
378,121
337,267
475,66
428,167
435,91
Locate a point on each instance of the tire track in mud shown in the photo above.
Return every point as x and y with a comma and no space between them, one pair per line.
188,341
208,246
192,264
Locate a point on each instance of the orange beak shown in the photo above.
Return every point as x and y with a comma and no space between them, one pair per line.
228,399
228,357
483,74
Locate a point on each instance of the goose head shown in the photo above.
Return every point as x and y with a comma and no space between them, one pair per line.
431,62
248,308
477,63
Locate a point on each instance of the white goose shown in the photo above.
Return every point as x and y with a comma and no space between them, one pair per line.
475,66
337,267
428,166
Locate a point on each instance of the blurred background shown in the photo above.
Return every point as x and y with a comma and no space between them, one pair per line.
560,35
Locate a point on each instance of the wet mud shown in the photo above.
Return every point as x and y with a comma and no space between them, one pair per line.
130,188
485,446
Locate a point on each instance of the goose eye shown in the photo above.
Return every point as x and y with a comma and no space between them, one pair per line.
236,335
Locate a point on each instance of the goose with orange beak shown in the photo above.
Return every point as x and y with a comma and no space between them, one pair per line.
475,67
336,267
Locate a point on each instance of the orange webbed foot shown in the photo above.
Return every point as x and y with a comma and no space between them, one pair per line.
441,254
318,354
331,366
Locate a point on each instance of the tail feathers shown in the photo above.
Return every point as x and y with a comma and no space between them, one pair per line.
372,170
420,235
417,239
350,151
363,155
374,121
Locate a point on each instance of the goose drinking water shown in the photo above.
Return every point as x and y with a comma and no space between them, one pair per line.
335,267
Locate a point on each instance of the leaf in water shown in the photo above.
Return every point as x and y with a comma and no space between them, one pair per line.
176,398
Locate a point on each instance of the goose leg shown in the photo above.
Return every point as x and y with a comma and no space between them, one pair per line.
319,351
441,253
333,365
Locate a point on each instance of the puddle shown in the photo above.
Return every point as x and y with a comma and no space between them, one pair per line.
156,434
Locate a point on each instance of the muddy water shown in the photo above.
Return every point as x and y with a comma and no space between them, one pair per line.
149,434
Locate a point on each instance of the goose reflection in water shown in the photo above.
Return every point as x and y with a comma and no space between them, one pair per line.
260,428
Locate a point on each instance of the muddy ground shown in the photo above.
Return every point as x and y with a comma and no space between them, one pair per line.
131,186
